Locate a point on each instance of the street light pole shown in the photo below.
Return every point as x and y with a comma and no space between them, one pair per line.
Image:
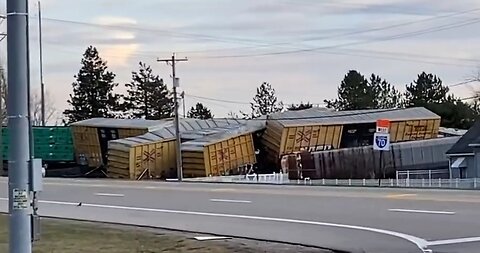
42,84
18,128
3,86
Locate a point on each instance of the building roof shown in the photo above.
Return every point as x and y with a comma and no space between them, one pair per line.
319,116
462,146
149,125
192,129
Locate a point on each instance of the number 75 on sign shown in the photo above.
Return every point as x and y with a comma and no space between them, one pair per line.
381,141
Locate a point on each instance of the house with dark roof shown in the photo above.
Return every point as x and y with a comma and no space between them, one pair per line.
464,156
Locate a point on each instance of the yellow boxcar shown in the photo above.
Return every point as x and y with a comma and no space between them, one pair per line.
318,129
86,146
91,137
153,154
411,130
216,156
138,158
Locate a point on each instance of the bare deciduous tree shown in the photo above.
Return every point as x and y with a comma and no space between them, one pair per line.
36,108
35,103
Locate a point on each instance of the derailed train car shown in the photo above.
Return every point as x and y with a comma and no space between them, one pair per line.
318,129
364,162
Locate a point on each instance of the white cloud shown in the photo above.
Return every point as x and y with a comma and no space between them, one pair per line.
297,77
112,20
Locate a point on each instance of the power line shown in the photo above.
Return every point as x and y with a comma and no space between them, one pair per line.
312,49
388,27
168,32
411,55
469,98
348,5
257,42
218,100
362,53
234,102
319,48
462,83
247,103
209,102
293,51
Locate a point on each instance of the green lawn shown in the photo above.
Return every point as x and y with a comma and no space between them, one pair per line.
59,236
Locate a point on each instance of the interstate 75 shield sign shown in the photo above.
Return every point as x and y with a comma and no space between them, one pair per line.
381,141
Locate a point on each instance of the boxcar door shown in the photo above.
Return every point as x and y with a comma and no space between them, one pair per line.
105,135
357,135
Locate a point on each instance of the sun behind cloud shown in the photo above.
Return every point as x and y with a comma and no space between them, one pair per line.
118,55
124,46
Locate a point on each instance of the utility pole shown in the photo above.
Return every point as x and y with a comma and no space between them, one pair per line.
3,79
176,83
182,95
3,85
18,128
42,84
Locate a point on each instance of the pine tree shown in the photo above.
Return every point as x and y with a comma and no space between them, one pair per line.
300,106
386,96
427,89
200,112
265,101
148,96
93,94
354,93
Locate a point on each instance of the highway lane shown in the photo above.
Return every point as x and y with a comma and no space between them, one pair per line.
283,213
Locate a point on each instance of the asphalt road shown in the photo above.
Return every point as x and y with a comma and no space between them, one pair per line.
357,219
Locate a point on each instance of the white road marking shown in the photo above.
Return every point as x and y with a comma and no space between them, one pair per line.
230,201
208,238
109,194
223,190
421,211
454,241
401,195
419,242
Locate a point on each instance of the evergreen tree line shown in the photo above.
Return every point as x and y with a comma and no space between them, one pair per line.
357,92
147,97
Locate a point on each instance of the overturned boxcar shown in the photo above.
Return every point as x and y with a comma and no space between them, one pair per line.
318,129
364,162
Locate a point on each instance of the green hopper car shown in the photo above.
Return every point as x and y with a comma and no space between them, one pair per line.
51,144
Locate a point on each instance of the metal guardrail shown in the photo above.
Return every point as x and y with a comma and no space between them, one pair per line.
279,178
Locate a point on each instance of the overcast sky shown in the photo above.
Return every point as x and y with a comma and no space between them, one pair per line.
302,47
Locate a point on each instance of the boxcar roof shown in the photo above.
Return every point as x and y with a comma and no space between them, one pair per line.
190,129
462,146
196,126
223,134
124,123
318,116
